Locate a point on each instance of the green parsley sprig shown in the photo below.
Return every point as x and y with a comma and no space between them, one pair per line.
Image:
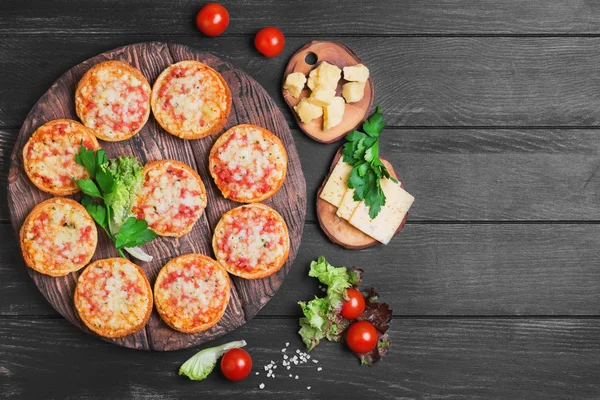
361,150
97,190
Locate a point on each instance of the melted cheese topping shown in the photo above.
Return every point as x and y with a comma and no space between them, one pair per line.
115,102
191,99
114,295
171,200
192,291
60,238
248,164
251,239
49,155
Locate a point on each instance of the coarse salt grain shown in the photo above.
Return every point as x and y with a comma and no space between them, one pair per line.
308,387
261,386
296,377
319,369
287,344
315,361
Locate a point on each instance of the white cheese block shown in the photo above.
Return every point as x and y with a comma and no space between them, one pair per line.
333,113
294,83
348,205
383,227
337,184
356,73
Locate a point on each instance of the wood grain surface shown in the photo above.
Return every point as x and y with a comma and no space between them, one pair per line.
251,104
308,18
420,81
493,123
473,358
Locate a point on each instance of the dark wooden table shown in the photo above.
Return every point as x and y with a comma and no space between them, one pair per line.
494,115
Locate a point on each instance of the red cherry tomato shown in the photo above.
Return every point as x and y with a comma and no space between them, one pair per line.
236,364
362,337
269,41
212,19
355,304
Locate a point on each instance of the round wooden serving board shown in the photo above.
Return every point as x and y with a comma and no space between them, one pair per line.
251,104
337,229
340,55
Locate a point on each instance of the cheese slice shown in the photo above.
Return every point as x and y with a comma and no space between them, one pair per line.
348,205
337,184
383,227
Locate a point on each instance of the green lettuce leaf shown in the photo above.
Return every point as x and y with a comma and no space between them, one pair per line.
127,175
322,315
202,363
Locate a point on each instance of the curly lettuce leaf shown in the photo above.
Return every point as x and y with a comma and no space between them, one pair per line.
202,363
128,179
322,317
337,279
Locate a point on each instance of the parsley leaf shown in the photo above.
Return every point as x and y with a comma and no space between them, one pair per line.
88,187
88,159
134,233
105,180
97,212
374,125
361,150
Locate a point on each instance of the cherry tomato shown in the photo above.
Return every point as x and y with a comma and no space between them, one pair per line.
236,364
212,19
269,41
362,337
355,304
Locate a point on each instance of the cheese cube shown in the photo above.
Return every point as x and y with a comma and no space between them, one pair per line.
333,113
294,83
383,227
312,79
308,111
353,91
348,205
356,73
325,74
322,95
337,184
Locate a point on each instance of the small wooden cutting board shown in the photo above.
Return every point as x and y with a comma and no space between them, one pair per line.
337,54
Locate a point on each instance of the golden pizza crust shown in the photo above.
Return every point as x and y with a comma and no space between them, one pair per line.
166,311
214,126
89,79
107,332
27,225
62,190
213,162
219,234
141,199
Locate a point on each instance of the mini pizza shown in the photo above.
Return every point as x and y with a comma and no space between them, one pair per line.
113,99
113,297
172,198
49,156
190,100
248,163
58,237
191,293
251,241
